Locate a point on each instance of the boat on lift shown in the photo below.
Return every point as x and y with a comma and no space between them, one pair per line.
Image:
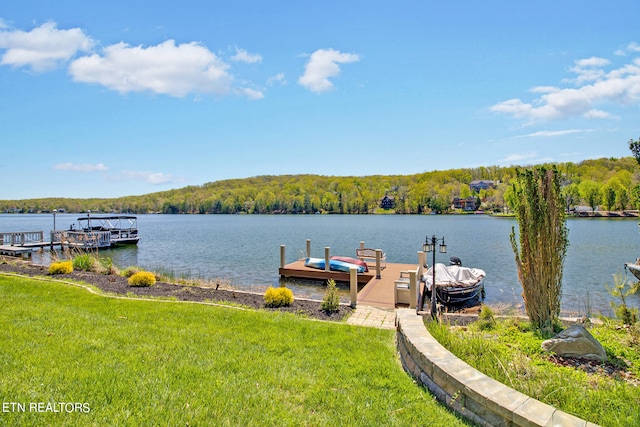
456,286
110,230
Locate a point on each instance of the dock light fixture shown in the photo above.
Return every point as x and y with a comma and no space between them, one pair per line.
430,246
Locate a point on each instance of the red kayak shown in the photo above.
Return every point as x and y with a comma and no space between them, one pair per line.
352,261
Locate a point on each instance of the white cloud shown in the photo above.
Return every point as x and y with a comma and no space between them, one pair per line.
244,56
596,114
633,47
42,48
82,167
322,65
589,70
154,178
592,62
277,79
545,89
250,93
595,86
166,68
552,133
519,157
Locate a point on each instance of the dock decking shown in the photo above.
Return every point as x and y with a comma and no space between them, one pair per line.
372,291
380,292
15,250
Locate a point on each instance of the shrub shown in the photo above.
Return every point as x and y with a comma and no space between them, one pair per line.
108,267
278,297
622,289
486,318
130,271
331,299
142,279
84,262
62,267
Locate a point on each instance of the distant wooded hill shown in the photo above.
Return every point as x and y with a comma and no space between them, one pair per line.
609,183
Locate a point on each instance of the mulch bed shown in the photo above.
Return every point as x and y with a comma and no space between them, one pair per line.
114,284
614,370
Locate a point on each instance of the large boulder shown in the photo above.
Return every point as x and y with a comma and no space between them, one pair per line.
577,342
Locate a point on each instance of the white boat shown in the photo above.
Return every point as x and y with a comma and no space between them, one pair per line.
634,268
455,285
106,230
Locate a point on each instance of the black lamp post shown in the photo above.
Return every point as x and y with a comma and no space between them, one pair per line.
430,246
53,233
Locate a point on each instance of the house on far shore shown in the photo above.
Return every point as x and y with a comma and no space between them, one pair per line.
388,202
481,184
467,204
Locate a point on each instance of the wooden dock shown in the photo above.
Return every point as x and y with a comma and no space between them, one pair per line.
23,251
297,270
380,292
372,291
22,243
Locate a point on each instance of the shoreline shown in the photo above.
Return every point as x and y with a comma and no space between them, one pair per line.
116,285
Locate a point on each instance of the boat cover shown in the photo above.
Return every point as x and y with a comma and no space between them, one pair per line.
453,276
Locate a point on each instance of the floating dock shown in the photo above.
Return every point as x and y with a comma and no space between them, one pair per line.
95,232
22,251
374,288
297,270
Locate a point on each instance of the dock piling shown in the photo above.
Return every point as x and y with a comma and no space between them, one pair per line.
353,286
378,264
413,289
327,258
309,247
282,257
422,262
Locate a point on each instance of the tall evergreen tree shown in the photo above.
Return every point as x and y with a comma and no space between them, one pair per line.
543,238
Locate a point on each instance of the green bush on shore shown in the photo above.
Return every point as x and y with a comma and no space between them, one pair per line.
331,299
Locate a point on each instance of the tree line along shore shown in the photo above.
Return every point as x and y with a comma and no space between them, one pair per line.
606,187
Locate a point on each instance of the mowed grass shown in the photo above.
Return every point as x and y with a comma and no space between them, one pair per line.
144,363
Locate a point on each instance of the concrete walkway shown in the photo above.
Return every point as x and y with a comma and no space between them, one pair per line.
373,317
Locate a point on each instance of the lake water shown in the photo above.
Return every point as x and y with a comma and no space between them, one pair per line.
245,249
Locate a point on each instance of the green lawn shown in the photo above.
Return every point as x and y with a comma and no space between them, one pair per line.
105,361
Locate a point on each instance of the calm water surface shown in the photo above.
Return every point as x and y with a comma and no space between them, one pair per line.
245,248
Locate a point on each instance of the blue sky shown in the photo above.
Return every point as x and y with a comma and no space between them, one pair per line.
108,99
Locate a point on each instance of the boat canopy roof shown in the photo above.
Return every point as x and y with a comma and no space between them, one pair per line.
109,221
108,217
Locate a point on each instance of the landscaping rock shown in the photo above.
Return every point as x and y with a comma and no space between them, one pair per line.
577,342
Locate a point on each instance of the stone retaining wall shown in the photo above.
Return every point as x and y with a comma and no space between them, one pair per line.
466,390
